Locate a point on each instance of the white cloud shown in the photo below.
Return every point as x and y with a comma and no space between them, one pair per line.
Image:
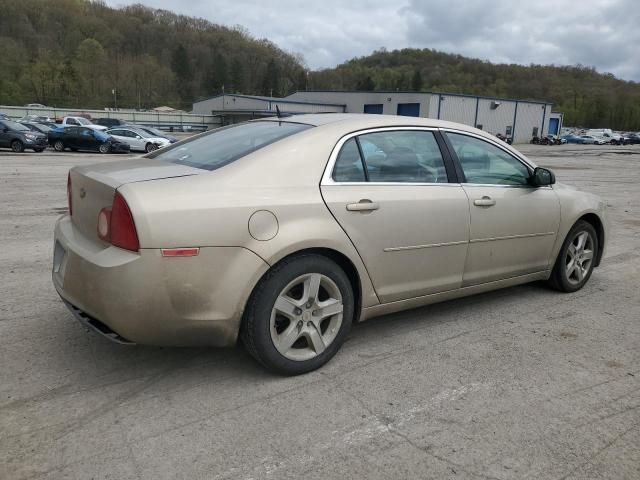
600,33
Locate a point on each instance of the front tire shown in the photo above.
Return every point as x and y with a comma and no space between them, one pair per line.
150,147
576,260
299,315
104,148
17,146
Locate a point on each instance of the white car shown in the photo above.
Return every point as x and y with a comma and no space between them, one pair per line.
590,139
81,122
138,139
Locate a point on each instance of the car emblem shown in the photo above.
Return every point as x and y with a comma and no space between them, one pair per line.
83,193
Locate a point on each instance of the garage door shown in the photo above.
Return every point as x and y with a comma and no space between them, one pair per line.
409,109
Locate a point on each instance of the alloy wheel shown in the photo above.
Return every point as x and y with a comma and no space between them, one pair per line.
306,317
579,257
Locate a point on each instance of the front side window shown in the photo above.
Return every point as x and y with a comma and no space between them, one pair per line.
484,163
222,146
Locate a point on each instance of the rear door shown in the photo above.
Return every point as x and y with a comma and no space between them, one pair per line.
395,195
513,225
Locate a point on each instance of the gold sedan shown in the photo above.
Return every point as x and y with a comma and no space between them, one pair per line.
283,232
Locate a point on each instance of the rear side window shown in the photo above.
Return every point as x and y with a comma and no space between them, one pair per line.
225,145
396,156
348,166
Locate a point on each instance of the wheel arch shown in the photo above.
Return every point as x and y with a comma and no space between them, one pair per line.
342,260
598,225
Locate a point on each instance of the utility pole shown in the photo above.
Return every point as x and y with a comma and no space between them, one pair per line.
115,99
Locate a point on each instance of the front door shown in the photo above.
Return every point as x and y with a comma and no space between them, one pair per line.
390,192
513,225
4,136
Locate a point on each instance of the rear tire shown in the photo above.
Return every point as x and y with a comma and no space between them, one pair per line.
577,258
58,146
17,146
298,315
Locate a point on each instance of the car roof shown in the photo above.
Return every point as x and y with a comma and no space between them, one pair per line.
351,122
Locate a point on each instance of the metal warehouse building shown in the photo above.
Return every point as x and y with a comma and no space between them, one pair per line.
520,119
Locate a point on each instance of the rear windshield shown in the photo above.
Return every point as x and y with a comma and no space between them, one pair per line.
220,147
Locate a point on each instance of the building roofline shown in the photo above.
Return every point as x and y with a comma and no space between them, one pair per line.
426,92
271,99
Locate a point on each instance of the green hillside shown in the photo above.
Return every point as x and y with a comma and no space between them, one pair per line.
587,98
75,52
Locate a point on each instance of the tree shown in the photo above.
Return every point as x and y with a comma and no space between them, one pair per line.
90,61
416,81
271,80
366,84
217,75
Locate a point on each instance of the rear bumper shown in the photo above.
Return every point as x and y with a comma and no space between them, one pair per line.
149,299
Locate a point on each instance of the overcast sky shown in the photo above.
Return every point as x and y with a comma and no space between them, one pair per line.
600,33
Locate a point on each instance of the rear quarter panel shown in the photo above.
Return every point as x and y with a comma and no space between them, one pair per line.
214,208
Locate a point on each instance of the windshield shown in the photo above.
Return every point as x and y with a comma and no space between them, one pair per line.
83,121
14,125
154,131
220,147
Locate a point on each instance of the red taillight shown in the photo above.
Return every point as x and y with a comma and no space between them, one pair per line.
116,226
69,201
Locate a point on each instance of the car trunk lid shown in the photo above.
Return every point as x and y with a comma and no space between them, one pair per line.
93,186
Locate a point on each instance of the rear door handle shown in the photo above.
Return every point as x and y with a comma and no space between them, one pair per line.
364,205
484,202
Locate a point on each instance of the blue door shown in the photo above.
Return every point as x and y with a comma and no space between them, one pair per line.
409,109
373,108
553,126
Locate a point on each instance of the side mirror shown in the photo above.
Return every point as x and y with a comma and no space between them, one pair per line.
542,177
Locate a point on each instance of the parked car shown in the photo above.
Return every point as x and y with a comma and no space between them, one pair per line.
85,138
138,140
3,116
606,135
35,105
36,127
633,138
281,231
504,138
589,139
35,118
557,140
17,137
111,122
571,138
157,133
81,122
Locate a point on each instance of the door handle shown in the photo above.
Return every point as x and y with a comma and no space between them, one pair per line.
364,205
484,202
